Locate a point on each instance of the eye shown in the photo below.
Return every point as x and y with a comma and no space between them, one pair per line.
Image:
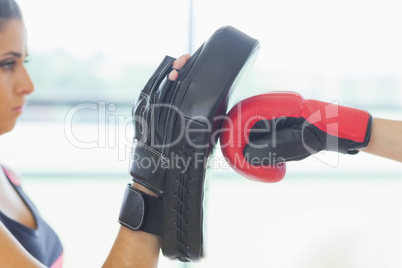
8,65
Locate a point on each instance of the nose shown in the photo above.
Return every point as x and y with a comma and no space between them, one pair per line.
24,84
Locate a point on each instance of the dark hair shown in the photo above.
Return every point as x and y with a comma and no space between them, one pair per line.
9,9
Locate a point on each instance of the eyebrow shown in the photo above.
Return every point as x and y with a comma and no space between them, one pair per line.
11,53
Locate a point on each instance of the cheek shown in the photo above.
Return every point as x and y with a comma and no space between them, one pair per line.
6,91
7,121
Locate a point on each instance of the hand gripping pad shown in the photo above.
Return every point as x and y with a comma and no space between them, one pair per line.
176,129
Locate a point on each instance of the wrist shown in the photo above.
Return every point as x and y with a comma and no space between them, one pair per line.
141,211
144,189
134,249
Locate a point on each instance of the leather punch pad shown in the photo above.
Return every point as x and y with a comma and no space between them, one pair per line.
176,132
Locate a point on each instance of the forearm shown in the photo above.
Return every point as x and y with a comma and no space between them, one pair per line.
134,248
386,140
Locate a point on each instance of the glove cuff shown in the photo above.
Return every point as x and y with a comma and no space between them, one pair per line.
141,212
367,137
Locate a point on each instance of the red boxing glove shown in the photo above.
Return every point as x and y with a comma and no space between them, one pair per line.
261,133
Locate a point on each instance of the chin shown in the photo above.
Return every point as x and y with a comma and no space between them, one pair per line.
4,128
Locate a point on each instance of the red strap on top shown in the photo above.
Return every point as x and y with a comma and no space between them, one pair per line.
11,177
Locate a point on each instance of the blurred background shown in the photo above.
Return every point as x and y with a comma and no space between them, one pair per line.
89,60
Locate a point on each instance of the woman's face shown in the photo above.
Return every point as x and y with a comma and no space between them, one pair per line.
15,83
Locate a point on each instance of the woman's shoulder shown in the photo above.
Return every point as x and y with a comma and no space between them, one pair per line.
11,174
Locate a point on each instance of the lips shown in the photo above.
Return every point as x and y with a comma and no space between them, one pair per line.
19,108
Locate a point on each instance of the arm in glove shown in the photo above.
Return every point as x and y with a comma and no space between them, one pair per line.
270,129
